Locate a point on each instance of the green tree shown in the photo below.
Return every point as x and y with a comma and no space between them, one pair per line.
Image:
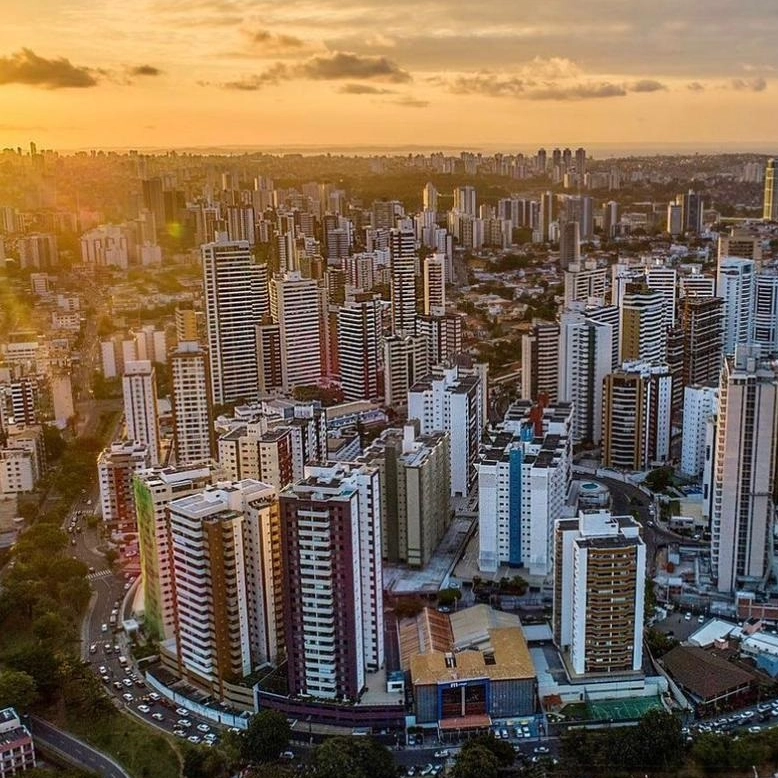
502,751
353,757
659,479
203,762
267,736
17,690
476,762
657,741
39,662
448,597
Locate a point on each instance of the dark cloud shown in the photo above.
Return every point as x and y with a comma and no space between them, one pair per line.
26,67
583,91
491,85
695,86
410,102
364,89
342,64
646,85
267,38
748,84
145,70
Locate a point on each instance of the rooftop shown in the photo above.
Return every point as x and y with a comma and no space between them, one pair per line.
703,674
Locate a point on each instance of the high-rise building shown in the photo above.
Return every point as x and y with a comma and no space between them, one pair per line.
359,350
765,317
153,489
744,471
735,285
692,206
584,359
599,592
415,501
192,409
333,606
637,409
585,283
188,323
295,306
665,280
740,244
546,215
540,362
465,200
430,197
443,336
674,219
643,332
403,281
116,466
451,399
703,340
700,404
139,387
225,557
233,309
435,285
524,474
770,206
405,363
569,244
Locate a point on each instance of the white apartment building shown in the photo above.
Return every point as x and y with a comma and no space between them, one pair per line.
223,629
116,467
744,463
139,387
233,299
700,403
359,349
735,285
192,416
524,476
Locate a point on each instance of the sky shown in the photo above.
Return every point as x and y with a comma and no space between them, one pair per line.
340,74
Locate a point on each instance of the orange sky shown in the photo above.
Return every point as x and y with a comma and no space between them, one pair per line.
167,73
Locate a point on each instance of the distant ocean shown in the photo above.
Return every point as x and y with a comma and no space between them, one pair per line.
595,150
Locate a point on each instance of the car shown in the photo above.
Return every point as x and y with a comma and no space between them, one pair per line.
127,682
540,750
437,769
427,769
118,685
103,670
411,771
184,723
103,628
108,648
126,589
144,709
287,755
755,729
193,739
203,728
116,649
157,717
701,619
210,737
411,740
504,734
234,730
179,733
154,696
442,754
140,683
182,712
687,617
127,697
105,678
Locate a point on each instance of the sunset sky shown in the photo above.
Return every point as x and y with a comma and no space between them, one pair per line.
344,73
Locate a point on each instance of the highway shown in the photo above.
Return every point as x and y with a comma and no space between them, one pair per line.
74,750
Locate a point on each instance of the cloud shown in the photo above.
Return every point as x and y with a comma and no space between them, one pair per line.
339,65
270,40
695,86
26,67
646,85
582,91
145,70
364,89
489,85
410,102
748,84
342,64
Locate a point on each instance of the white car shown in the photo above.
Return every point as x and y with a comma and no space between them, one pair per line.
203,728
184,723
182,712
442,754
193,739
103,628
157,717
144,709
127,697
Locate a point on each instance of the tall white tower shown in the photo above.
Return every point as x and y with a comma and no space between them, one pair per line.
192,413
735,285
139,386
232,308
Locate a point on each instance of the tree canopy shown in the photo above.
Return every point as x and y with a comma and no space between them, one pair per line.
267,737
353,757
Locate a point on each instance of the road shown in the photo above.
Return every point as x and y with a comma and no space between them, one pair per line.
73,749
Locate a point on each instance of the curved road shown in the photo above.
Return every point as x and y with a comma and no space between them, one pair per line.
74,750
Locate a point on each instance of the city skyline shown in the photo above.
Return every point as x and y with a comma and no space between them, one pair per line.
163,73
